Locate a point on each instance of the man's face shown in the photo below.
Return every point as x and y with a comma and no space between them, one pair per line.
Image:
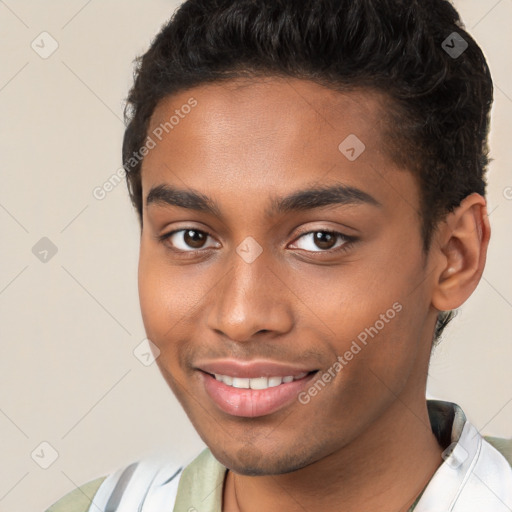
334,289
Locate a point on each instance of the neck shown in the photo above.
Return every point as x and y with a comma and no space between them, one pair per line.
384,469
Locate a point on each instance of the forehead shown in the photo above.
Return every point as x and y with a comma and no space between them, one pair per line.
254,108
249,135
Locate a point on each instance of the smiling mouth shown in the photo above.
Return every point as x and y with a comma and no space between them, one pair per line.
254,396
257,382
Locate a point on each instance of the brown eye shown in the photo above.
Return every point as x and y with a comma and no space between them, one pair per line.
324,241
186,240
194,238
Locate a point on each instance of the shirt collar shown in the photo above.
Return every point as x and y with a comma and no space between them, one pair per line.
474,475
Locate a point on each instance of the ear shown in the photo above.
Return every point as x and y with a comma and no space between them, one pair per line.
460,251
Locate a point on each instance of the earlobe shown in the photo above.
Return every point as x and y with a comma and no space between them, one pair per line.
462,248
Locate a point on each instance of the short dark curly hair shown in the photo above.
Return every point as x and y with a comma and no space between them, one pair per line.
437,124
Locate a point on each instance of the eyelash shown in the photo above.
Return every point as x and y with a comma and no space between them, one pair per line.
349,240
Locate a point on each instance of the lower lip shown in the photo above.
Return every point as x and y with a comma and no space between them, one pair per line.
251,403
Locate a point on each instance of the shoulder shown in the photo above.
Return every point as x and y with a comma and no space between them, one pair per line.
151,480
201,484
78,500
504,446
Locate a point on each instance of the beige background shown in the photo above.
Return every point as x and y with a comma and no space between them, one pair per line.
69,326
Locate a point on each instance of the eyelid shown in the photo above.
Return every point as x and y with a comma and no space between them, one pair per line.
165,236
348,240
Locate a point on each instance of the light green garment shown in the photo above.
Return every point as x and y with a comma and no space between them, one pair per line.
201,484
78,500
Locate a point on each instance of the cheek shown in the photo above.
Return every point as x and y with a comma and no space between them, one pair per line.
376,364
153,297
376,316
362,298
174,302
166,298
386,342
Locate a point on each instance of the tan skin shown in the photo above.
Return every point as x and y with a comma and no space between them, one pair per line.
364,442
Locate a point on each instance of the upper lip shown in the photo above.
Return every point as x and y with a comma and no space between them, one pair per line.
251,369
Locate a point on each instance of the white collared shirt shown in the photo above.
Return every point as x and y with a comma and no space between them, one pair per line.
474,477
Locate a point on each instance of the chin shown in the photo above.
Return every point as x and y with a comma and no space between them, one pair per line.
251,461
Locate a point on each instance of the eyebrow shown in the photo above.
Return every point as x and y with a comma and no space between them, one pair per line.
300,200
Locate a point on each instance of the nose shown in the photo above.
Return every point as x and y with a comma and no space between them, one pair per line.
250,299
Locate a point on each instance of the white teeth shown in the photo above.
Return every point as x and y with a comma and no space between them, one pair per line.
258,382
239,382
274,381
